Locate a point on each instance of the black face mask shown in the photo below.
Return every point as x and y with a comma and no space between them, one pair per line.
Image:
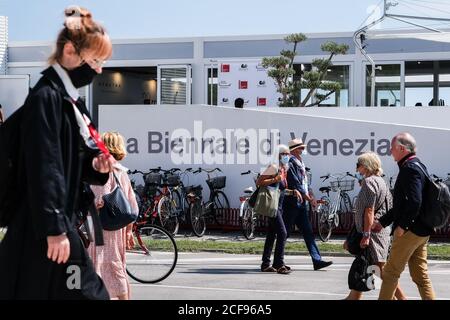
82,76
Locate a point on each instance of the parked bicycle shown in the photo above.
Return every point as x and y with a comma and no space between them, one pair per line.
247,215
156,198
328,210
199,211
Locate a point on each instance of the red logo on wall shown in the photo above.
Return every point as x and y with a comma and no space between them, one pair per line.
262,102
243,84
225,68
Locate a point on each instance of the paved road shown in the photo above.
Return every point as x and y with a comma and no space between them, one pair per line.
213,276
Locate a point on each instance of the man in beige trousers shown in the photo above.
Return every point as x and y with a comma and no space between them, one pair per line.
411,235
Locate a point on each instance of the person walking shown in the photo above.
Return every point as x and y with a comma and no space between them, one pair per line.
373,201
295,207
411,235
41,255
110,259
275,177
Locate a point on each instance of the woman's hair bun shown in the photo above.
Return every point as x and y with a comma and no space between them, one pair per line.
74,17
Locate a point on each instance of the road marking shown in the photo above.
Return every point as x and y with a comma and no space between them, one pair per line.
367,295
238,290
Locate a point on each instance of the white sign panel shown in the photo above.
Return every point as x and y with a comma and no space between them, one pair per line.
246,80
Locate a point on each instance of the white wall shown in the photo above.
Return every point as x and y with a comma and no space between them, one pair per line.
13,92
434,117
321,133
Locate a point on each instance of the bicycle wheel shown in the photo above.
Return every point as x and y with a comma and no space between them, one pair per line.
248,221
154,255
221,203
197,219
324,225
167,215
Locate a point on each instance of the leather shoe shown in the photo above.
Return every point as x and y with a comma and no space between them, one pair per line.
322,264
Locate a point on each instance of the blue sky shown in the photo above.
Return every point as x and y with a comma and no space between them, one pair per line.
41,20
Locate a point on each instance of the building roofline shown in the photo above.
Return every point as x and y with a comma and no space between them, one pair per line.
193,39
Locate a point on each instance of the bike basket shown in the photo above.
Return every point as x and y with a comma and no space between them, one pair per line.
217,183
196,190
153,179
343,185
172,180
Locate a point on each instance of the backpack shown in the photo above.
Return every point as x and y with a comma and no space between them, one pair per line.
9,166
436,202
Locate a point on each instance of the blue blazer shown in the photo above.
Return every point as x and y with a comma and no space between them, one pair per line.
295,182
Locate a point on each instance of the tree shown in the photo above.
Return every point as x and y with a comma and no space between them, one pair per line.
289,84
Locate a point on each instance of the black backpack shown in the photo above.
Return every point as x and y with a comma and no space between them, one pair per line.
436,202
9,166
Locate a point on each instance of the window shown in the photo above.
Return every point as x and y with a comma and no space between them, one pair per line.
419,78
340,74
175,85
387,85
444,83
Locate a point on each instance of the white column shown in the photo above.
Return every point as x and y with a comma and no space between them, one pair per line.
3,44
198,74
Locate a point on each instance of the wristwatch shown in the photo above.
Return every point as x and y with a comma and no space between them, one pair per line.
366,234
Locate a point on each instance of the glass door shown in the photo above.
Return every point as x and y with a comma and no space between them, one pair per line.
212,84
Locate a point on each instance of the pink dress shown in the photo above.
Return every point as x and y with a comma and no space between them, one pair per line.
109,260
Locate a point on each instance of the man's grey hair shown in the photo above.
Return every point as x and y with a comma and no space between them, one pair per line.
407,140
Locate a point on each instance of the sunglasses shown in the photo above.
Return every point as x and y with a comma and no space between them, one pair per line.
94,63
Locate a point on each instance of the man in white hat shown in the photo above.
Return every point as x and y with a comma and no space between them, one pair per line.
295,210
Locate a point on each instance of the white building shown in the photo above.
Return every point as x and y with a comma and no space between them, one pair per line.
187,71
413,71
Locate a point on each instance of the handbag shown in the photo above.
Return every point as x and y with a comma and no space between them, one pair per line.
116,212
267,201
354,237
359,276
253,197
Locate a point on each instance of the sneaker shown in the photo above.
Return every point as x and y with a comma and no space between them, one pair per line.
322,264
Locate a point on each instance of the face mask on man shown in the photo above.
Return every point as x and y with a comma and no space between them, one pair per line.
359,176
82,76
285,160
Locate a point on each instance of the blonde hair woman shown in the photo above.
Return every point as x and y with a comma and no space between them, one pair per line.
109,260
373,201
